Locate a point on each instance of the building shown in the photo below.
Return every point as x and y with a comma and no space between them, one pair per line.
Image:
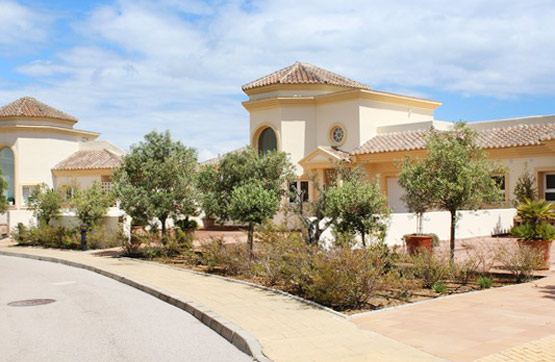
39,144
319,118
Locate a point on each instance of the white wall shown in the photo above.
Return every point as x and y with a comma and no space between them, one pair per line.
470,224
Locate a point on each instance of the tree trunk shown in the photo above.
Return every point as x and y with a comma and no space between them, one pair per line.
452,240
363,239
163,222
250,241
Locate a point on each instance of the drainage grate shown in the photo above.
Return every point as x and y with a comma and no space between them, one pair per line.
30,302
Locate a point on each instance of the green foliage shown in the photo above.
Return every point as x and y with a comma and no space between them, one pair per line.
46,203
47,236
414,179
3,198
186,224
439,288
455,174
536,211
271,170
531,231
429,268
525,188
156,179
252,204
358,206
90,205
484,282
232,259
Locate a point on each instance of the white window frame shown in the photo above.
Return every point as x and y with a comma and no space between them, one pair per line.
545,189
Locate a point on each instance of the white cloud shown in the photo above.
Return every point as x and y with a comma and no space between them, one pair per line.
180,64
20,27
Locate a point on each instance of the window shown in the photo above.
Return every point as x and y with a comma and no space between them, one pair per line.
26,192
106,183
267,141
500,182
337,135
298,191
7,166
550,186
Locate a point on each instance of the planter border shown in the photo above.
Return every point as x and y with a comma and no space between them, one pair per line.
234,334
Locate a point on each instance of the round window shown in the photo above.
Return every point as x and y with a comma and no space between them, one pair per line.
337,134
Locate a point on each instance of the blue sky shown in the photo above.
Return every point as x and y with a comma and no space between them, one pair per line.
127,67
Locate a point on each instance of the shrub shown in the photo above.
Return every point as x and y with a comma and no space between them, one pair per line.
429,268
531,231
100,237
484,282
186,224
47,236
233,259
178,242
520,260
525,188
439,288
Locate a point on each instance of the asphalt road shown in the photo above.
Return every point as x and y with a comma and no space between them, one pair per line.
95,318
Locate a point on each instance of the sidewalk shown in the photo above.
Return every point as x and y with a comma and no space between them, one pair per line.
287,329
476,325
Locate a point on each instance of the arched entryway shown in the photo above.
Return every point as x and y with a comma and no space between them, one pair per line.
7,165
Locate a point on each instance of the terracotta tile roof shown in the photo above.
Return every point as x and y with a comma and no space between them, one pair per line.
304,73
513,136
89,160
30,107
345,156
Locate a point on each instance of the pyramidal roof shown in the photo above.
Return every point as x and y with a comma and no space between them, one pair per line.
304,73
30,107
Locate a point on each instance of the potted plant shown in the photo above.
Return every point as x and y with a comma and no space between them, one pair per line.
535,229
209,204
417,197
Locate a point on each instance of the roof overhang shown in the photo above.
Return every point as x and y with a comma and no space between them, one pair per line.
321,158
347,95
49,129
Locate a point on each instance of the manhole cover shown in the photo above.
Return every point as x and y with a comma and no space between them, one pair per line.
30,302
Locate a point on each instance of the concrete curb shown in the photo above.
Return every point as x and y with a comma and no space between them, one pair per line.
237,336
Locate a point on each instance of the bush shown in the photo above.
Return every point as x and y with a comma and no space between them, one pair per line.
439,288
186,224
232,259
99,237
47,236
429,268
534,231
520,260
484,282
345,278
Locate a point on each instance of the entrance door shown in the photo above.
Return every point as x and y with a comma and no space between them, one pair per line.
394,193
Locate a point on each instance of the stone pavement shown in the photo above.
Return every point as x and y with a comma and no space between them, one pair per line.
474,325
540,350
287,329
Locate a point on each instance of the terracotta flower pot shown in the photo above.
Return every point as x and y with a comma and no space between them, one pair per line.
208,223
543,246
418,243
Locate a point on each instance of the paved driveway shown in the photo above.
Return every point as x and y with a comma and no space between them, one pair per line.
95,319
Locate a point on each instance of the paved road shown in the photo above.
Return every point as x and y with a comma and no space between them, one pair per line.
95,319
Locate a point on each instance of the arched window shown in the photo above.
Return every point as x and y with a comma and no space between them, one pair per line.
267,141
7,166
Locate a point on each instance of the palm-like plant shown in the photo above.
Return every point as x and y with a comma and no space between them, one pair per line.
536,211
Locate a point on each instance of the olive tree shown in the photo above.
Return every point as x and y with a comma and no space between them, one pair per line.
417,196
46,202
271,170
525,188
91,204
455,174
252,204
156,179
357,206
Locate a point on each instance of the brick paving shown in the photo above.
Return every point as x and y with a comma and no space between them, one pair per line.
542,349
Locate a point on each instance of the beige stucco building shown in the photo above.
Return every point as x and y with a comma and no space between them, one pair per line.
39,144
319,117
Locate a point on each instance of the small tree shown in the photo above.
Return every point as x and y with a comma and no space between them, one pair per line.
418,191
525,188
46,203
271,170
357,206
91,204
156,180
3,197
456,174
252,204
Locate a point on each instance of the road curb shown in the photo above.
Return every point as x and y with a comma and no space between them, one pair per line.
234,334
